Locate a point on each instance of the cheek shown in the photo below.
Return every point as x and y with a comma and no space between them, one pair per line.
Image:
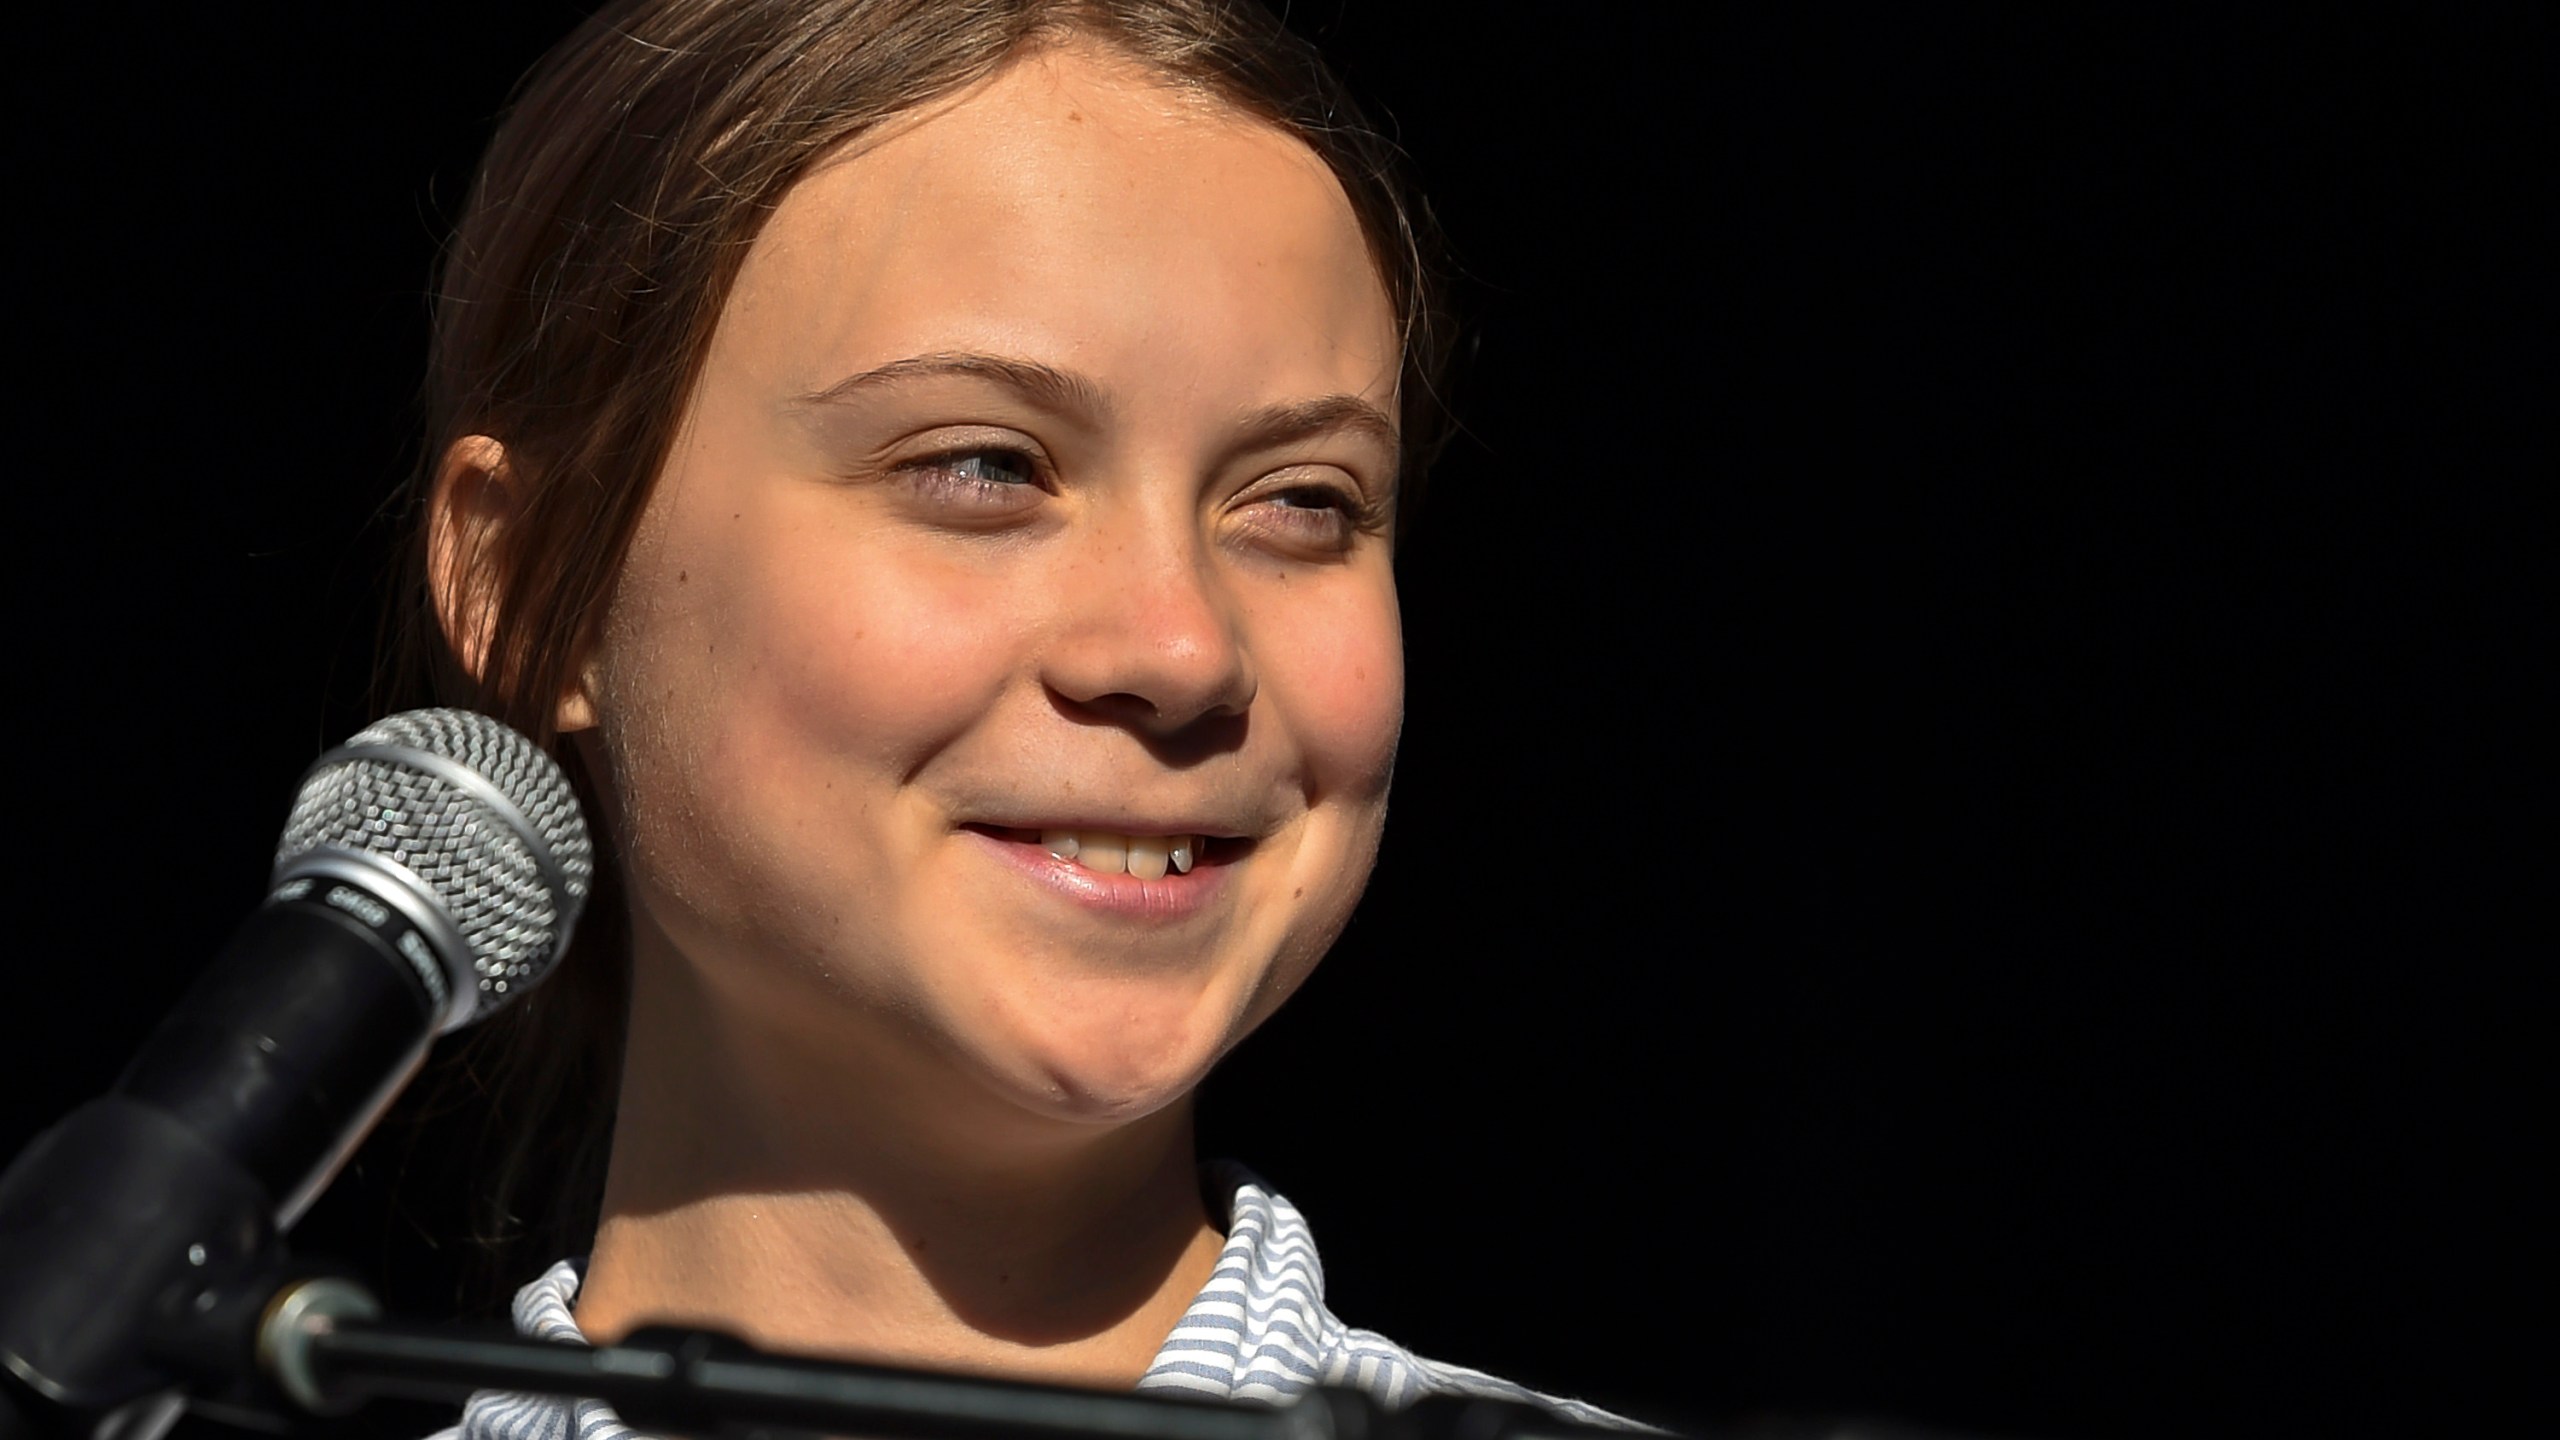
877,657
1333,673
1333,666
772,677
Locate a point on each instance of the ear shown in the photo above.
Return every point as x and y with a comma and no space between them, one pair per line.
477,496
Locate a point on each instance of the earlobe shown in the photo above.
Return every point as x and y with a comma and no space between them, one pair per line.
577,710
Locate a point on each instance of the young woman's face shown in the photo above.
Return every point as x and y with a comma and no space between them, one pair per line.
1036,486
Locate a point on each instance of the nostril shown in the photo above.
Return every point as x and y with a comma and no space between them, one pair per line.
1175,738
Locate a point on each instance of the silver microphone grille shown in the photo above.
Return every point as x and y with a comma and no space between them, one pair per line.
468,816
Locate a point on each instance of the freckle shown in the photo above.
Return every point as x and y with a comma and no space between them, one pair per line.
1298,894
682,577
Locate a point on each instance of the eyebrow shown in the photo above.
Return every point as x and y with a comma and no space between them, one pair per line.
1044,385
1276,425
1064,391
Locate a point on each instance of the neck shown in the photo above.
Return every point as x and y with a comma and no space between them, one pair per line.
820,1193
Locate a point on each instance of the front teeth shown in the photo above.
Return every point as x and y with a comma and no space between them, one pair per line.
1145,856
1108,854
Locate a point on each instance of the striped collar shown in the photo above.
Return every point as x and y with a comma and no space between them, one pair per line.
1259,1332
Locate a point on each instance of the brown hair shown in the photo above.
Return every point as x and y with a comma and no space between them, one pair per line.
636,165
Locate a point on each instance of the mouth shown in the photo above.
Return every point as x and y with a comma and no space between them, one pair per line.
1112,852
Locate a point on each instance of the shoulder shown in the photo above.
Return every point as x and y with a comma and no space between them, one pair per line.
1261,1331
543,1311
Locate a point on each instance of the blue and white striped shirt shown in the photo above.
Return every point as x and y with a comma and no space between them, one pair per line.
1259,1331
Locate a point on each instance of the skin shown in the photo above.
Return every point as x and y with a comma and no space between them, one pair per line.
887,1095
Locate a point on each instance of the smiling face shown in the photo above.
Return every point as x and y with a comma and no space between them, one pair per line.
1033,498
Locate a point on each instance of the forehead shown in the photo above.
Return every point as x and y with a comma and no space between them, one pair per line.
1078,210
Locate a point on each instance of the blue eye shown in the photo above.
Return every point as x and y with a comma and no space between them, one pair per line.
990,467
994,480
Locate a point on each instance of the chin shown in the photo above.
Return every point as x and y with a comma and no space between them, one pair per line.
1108,1102
1095,1091
1112,1070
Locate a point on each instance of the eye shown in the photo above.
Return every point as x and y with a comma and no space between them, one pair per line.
1309,497
986,478
1313,516
1313,507
990,469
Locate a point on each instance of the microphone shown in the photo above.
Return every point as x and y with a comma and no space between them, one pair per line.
431,871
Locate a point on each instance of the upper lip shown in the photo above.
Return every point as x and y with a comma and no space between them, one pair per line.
1215,827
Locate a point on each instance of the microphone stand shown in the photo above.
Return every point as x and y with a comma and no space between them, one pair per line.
271,1350
143,1272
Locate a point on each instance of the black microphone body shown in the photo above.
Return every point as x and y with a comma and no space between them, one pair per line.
286,1050
229,1120
413,893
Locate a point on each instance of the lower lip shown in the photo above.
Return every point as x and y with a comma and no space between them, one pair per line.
1175,897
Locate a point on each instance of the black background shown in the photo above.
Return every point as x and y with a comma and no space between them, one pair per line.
1967,785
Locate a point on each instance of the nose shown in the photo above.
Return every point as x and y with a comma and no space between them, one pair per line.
1149,637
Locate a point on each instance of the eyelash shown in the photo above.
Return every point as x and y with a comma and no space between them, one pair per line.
944,472
1339,512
